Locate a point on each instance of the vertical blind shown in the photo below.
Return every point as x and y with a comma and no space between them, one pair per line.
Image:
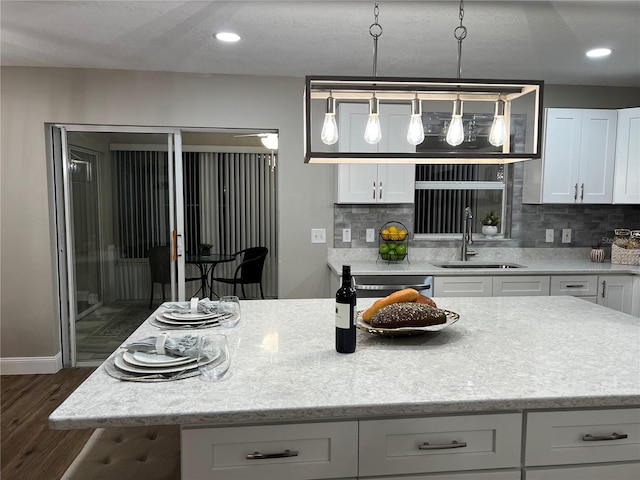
229,201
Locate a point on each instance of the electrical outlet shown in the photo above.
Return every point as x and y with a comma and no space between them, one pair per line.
371,235
566,235
346,235
318,235
550,234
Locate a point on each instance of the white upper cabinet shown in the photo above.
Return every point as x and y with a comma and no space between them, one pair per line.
626,183
375,183
578,159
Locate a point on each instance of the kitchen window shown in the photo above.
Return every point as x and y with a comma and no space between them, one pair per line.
443,191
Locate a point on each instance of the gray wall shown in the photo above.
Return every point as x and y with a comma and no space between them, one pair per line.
32,97
590,224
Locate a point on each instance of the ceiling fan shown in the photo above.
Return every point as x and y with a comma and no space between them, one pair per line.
269,140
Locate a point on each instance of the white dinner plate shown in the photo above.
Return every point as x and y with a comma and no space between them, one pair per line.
127,367
143,359
169,321
176,315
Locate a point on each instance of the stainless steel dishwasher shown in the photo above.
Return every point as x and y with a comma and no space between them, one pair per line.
368,286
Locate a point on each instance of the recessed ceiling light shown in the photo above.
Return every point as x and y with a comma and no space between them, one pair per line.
227,36
599,52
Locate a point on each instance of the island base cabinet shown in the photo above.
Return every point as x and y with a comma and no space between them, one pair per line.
582,437
439,444
270,452
620,471
475,475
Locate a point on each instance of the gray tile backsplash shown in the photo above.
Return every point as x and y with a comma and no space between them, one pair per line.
590,224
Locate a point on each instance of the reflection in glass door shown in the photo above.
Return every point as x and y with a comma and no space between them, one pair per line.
85,194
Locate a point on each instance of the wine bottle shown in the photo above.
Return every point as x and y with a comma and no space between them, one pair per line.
346,314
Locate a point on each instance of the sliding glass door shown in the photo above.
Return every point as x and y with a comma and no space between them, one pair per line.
119,216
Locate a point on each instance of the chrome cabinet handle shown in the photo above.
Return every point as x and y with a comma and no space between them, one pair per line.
575,192
575,286
604,284
374,191
582,192
442,446
263,456
601,438
425,286
380,190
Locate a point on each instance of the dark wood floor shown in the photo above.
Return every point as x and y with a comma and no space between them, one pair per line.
30,449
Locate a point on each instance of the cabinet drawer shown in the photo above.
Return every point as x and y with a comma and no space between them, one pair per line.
619,471
509,286
576,285
462,286
475,475
422,445
315,450
556,438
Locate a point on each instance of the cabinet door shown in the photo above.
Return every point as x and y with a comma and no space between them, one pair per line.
357,183
626,184
620,471
352,120
563,129
462,286
597,156
509,286
616,291
396,183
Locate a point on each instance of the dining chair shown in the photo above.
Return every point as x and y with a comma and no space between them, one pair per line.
248,271
160,264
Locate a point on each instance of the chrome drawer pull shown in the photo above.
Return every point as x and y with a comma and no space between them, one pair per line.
442,446
263,456
575,286
600,438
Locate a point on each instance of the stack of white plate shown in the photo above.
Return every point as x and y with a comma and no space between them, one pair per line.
180,319
143,364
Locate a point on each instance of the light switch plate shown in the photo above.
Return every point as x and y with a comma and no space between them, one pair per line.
371,235
346,235
318,235
566,235
550,234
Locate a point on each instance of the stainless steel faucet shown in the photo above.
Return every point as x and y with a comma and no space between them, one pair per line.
467,235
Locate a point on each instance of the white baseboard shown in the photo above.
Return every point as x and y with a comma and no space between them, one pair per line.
30,365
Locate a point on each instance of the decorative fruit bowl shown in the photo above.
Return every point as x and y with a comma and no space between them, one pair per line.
393,242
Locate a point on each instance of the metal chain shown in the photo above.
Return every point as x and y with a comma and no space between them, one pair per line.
460,33
375,30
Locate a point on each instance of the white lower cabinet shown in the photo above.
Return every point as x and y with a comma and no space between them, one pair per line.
270,452
619,471
471,286
475,475
582,437
509,286
439,444
616,291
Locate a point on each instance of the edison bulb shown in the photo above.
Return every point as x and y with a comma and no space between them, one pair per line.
329,133
373,132
498,133
455,134
415,134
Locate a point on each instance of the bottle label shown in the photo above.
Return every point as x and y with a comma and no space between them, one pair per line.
343,315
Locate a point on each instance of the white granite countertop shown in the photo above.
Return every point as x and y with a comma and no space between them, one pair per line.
539,261
504,354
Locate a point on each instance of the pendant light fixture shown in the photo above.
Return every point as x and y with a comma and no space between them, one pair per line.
455,134
373,130
329,133
415,133
498,132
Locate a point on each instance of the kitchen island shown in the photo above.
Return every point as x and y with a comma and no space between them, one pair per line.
504,355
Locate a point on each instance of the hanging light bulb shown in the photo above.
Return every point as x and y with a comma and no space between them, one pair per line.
498,133
373,132
415,134
455,134
329,133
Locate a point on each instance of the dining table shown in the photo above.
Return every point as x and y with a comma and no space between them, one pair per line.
206,265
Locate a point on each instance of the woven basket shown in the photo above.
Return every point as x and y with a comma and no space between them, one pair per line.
625,256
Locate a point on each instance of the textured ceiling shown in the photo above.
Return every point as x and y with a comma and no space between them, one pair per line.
526,40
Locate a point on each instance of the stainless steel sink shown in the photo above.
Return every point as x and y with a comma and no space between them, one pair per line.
480,265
